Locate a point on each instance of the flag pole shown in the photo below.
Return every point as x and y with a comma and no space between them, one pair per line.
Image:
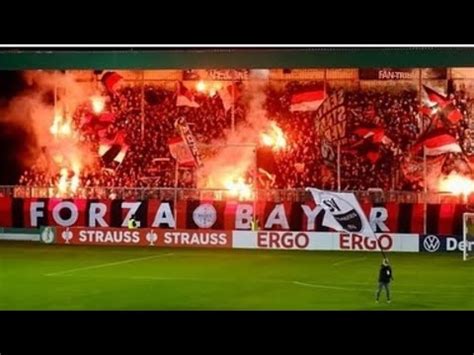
175,201
425,189
325,204
233,107
378,243
339,166
142,104
255,174
55,96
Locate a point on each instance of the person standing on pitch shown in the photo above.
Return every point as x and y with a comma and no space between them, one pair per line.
385,276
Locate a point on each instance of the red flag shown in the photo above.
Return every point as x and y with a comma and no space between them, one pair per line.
121,155
111,80
114,149
376,134
119,138
369,146
265,179
96,124
437,142
435,96
307,101
185,97
373,156
449,110
427,110
226,95
452,113
412,168
180,151
107,117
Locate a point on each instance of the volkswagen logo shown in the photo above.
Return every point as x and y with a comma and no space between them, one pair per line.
431,243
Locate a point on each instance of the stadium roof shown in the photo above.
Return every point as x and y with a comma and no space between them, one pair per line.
235,58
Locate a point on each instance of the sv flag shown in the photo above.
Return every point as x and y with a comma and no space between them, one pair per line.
342,212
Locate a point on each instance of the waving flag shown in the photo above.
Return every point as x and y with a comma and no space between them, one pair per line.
226,95
188,138
448,109
111,80
94,124
371,140
307,101
412,168
115,149
180,151
185,97
342,212
437,142
427,110
376,134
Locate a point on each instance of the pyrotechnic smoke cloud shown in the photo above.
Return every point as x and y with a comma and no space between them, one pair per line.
236,154
34,112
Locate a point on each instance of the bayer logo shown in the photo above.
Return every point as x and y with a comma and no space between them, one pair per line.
205,215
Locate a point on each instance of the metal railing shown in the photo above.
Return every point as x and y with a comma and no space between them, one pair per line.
275,195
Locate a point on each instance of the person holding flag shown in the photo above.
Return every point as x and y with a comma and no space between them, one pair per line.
344,213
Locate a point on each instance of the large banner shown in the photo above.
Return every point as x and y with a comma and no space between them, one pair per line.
388,74
324,241
434,243
331,126
188,138
444,219
278,240
137,237
216,74
330,118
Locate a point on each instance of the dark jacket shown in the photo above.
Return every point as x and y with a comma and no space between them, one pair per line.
385,274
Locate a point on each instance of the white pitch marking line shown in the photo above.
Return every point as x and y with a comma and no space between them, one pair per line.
199,279
366,290
108,264
321,286
348,261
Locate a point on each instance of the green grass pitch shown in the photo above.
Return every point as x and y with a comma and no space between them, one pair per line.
51,277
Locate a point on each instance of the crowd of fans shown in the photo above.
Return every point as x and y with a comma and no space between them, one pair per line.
148,114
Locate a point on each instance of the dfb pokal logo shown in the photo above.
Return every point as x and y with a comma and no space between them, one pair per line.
66,235
47,235
205,216
151,237
431,243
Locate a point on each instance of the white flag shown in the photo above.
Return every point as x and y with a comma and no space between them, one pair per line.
343,212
